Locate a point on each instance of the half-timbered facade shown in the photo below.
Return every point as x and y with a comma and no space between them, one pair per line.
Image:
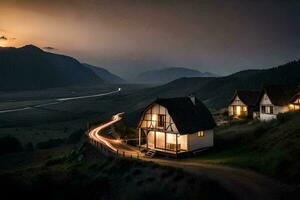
176,125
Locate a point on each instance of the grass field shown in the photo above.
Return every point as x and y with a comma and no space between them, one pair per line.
60,120
270,148
85,174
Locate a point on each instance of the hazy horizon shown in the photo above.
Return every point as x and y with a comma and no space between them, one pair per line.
128,37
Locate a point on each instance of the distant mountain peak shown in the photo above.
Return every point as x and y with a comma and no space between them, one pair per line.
31,47
31,68
169,74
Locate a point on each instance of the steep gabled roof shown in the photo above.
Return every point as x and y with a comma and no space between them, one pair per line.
188,118
248,97
280,95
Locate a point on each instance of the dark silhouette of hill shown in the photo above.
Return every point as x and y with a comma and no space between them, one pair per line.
29,68
105,74
216,92
169,74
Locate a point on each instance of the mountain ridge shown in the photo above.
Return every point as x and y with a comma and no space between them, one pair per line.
30,68
169,74
105,74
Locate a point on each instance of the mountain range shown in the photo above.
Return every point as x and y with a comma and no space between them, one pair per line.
169,74
105,75
29,68
217,91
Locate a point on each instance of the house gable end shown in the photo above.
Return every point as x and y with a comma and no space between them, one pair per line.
265,100
149,118
237,101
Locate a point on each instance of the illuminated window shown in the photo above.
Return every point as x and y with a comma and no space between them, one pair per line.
245,108
267,109
161,120
200,133
294,107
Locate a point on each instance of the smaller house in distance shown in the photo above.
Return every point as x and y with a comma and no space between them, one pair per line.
243,104
277,99
295,102
176,125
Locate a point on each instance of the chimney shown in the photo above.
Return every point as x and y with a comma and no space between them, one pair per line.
193,98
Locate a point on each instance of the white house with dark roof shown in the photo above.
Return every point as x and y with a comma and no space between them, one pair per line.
243,104
277,99
176,125
294,103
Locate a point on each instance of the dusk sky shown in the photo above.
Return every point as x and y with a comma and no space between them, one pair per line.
131,36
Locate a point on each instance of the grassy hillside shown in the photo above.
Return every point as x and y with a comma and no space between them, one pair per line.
85,174
268,147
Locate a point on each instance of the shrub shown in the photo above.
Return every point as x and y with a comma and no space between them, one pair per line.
50,143
281,118
9,144
29,146
55,161
75,137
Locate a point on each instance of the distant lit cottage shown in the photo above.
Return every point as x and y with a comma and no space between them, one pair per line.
176,125
278,99
294,103
244,104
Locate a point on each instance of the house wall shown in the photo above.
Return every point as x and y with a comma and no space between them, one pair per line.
237,102
150,119
151,139
160,140
183,140
265,101
195,142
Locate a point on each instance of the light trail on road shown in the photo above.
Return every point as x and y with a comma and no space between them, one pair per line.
114,144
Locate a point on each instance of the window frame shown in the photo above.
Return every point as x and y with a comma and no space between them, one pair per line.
161,121
200,133
267,109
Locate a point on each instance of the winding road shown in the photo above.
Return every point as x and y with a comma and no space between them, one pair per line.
244,184
60,100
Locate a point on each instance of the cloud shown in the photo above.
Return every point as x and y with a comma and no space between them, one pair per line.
50,48
3,38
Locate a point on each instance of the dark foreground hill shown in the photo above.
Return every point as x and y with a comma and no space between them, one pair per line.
87,174
30,68
105,74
